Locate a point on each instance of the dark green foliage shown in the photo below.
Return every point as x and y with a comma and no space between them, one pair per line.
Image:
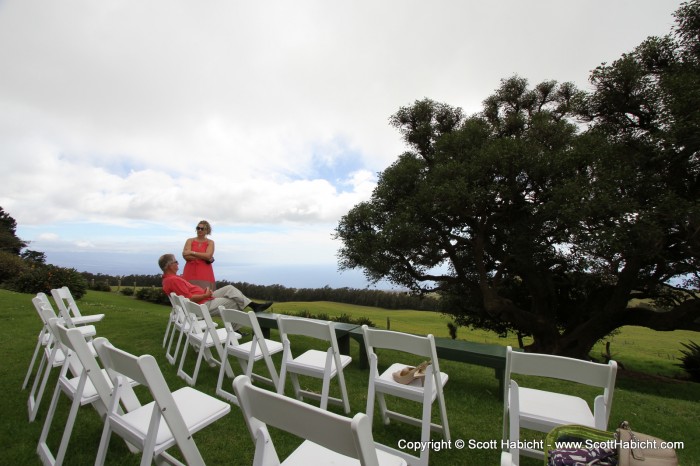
525,221
11,265
43,278
153,295
9,242
127,291
691,360
100,286
344,318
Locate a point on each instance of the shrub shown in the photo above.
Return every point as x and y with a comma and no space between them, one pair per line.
127,291
100,286
365,321
691,360
153,295
11,266
43,278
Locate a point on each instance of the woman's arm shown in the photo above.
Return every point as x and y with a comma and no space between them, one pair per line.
187,253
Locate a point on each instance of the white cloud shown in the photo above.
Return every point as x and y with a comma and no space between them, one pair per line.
271,113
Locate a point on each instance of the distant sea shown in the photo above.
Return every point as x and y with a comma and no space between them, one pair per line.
290,276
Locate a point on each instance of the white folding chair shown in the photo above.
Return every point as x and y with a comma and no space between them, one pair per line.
170,419
91,386
542,410
249,352
180,327
329,438
203,340
69,310
323,365
53,356
43,340
172,318
425,391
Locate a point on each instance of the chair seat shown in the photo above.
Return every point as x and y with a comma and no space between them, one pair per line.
387,384
89,392
309,453
552,409
314,362
209,342
82,320
243,350
198,410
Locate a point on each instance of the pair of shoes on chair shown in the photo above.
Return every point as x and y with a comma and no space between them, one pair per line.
259,307
408,374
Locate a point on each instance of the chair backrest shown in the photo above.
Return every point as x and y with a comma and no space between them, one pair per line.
233,318
405,342
75,344
65,302
41,300
288,325
563,368
348,436
197,312
178,312
145,370
47,314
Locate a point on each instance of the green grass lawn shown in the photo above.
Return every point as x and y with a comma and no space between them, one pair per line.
659,406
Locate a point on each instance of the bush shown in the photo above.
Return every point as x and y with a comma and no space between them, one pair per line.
11,266
100,286
44,278
127,291
153,295
691,360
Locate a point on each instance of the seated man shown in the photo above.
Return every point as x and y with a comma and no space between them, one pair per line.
228,296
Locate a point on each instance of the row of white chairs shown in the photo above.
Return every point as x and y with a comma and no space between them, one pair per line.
523,407
193,324
49,354
96,373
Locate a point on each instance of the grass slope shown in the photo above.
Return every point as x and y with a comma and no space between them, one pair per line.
661,407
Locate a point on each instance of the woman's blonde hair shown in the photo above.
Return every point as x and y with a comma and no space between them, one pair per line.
207,227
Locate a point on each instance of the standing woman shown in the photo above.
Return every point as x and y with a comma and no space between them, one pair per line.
199,254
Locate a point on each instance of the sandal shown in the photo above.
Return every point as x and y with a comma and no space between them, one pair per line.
409,373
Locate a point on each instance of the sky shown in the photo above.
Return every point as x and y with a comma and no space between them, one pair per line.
125,123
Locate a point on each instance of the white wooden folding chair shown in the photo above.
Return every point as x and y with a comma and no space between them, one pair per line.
43,340
91,386
180,327
44,337
425,390
53,356
169,420
324,365
543,410
69,310
172,318
249,352
329,438
203,341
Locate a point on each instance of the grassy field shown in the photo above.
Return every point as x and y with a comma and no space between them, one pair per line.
662,406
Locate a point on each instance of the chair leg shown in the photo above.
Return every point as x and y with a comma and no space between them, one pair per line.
36,394
343,390
172,358
31,364
295,384
104,443
382,408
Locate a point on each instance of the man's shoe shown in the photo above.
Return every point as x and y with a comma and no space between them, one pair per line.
260,307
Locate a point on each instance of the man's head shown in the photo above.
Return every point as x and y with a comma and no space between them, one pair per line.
166,260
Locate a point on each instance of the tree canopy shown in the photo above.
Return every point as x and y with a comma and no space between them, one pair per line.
552,209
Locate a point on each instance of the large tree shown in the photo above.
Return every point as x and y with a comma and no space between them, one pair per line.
552,209
9,242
